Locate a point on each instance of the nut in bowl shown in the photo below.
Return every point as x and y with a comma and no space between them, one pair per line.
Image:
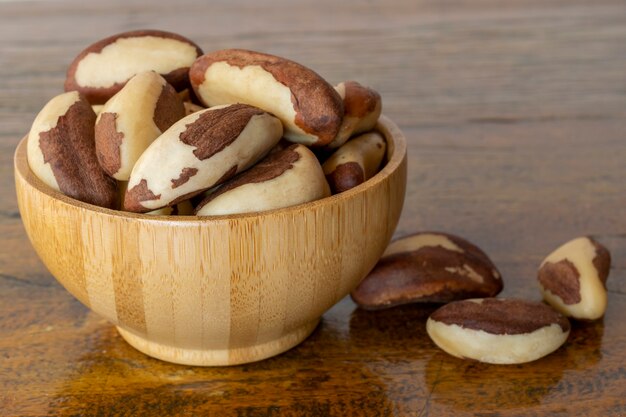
220,290
268,251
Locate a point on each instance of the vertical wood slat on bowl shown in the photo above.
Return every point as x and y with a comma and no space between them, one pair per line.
215,291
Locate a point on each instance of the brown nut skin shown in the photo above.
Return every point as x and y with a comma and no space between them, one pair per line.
355,162
428,267
309,108
176,74
362,107
573,278
499,331
62,153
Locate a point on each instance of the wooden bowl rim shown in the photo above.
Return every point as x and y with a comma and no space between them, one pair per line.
385,126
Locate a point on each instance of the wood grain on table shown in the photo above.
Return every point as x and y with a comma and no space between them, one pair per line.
515,113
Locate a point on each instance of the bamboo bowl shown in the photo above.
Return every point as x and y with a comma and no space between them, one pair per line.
215,291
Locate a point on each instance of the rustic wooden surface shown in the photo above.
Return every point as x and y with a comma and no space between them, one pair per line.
515,114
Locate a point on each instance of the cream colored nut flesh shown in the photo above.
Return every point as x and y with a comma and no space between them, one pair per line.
422,240
198,152
573,277
428,267
61,151
103,68
309,108
132,119
362,107
284,178
498,331
355,162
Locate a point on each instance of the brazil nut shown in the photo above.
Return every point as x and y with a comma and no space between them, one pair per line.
498,331
102,69
362,107
355,162
184,208
309,108
284,178
573,277
61,151
198,152
428,267
132,119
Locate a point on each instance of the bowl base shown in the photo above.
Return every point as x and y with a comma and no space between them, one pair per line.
221,357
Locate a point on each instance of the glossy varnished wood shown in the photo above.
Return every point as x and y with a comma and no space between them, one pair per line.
515,114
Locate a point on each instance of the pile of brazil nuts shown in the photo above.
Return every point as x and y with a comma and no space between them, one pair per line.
434,267
151,124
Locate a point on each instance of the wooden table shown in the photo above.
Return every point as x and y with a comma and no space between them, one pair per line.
515,114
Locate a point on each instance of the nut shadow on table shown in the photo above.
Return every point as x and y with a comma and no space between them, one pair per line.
461,387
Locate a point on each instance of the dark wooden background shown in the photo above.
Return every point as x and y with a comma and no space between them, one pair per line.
515,114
